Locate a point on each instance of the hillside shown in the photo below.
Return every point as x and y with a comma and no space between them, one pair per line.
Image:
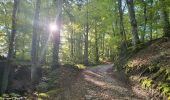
151,67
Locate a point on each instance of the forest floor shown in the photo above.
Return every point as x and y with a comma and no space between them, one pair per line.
99,83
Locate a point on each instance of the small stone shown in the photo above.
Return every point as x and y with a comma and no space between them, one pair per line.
88,97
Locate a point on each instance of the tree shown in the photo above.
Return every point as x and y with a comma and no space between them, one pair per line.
145,20
123,45
96,44
165,19
34,54
133,22
56,37
86,35
11,48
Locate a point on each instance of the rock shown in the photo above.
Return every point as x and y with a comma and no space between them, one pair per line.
88,97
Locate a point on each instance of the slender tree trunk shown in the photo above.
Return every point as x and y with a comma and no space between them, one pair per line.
56,39
103,45
145,20
123,45
151,21
11,48
86,34
165,18
45,38
151,27
72,43
135,37
34,68
96,45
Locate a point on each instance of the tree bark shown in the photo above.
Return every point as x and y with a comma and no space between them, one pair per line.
96,45
145,20
11,48
86,62
34,54
56,35
133,22
165,19
123,45
45,37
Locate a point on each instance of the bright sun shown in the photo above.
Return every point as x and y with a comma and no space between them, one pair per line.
53,27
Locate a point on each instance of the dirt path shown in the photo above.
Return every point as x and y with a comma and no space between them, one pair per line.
99,83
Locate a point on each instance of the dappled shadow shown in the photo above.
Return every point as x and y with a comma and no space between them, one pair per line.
97,83
102,84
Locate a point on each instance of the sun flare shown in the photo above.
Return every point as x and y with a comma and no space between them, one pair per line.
53,27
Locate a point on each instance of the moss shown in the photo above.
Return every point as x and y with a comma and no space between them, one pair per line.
5,95
168,78
43,86
146,83
151,68
168,70
43,95
54,92
155,75
164,88
80,66
130,64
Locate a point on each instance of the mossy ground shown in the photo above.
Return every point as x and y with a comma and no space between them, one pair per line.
152,66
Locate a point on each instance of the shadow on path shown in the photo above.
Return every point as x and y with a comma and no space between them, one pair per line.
99,83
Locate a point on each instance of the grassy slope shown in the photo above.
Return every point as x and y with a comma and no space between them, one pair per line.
151,66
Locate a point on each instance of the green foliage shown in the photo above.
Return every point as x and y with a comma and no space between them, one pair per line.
51,79
168,78
11,96
43,86
54,92
146,83
43,95
165,88
40,96
168,70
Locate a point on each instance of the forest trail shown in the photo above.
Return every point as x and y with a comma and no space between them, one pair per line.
98,83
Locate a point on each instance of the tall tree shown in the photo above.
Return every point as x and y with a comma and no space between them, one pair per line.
165,18
96,43
56,37
133,22
123,45
86,35
145,20
34,54
11,47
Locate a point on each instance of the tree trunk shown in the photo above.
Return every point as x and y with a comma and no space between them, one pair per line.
145,20
72,44
86,34
151,32
45,37
11,48
34,56
165,19
96,45
151,21
123,45
56,35
133,22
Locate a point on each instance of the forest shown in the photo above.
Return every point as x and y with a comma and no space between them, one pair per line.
84,50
